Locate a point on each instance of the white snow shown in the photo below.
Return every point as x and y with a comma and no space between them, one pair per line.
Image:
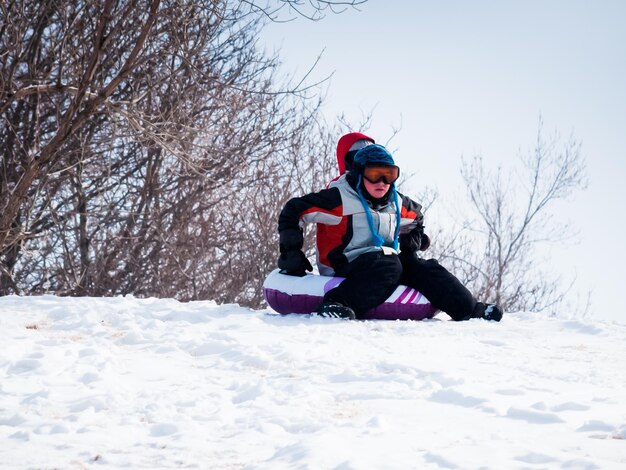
130,383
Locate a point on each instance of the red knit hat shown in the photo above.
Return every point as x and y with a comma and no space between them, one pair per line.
343,147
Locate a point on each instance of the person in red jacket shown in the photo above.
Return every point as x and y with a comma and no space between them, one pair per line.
370,234
347,146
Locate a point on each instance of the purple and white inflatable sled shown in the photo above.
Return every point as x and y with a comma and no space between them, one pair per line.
291,294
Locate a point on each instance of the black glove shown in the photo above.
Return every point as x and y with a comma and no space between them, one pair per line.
425,242
415,240
294,263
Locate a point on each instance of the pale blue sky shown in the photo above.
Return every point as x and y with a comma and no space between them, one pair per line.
467,77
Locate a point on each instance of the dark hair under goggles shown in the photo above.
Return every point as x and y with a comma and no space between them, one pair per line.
375,174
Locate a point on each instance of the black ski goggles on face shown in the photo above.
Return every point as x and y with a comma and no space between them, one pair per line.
375,174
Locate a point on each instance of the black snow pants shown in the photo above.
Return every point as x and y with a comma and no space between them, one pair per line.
372,278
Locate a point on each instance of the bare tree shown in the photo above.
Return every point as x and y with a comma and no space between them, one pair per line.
315,10
133,135
495,251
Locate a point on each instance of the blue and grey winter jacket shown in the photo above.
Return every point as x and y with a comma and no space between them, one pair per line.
343,229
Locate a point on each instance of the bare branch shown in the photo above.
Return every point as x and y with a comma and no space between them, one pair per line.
496,252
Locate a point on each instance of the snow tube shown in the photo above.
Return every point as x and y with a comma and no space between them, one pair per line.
291,294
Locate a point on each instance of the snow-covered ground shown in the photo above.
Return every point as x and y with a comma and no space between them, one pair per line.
129,383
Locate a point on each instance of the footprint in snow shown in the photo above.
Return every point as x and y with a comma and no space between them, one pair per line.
510,392
35,397
47,429
163,429
536,458
595,425
247,393
24,366
455,398
87,352
89,377
582,327
494,342
439,460
534,417
84,404
21,435
13,421
569,406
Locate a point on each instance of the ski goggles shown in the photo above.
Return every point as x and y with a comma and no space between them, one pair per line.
375,174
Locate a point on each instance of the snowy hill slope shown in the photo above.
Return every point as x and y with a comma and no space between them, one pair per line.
129,383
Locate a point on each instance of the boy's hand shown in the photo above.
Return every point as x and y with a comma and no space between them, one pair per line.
294,263
414,241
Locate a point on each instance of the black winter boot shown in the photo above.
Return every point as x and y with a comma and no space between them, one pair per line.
330,309
487,311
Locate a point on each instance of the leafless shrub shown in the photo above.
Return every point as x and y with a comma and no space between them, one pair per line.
495,251
145,147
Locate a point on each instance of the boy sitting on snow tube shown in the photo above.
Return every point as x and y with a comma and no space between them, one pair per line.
369,234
